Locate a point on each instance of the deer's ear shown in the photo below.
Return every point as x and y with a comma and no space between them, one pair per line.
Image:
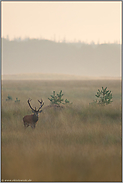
33,111
40,111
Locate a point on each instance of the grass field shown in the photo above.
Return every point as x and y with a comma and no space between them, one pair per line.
79,142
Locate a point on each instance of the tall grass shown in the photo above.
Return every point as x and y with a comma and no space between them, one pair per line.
79,142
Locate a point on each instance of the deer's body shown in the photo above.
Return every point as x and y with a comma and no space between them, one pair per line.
31,120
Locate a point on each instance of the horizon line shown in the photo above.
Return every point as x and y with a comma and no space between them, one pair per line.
20,39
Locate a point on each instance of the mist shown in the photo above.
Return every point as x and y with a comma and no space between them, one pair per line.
33,56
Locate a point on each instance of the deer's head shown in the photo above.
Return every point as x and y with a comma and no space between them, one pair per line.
36,112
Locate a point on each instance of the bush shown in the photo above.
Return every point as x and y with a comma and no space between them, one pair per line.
104,97
9,98
17,101
57,99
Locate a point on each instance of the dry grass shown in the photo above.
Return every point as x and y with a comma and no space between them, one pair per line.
76,143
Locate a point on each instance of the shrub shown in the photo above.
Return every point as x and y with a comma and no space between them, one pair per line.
57,98
104,97
9,98
17,101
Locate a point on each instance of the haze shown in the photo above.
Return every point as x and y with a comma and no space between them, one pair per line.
62,38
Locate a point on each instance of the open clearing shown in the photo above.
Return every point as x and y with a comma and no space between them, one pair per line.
79,142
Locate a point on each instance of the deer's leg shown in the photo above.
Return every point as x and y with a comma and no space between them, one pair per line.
26,125
33,125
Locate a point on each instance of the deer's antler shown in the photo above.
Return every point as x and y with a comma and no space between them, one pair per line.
30,104
41,104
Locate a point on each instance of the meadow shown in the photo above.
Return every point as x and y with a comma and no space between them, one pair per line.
79,142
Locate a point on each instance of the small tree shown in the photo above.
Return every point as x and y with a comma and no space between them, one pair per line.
104,97
9,98
57,98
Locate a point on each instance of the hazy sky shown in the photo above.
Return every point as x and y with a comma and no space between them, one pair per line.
84,21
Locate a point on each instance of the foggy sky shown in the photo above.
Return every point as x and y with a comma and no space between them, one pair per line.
84,21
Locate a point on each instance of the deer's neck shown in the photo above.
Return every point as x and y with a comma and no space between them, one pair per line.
35,118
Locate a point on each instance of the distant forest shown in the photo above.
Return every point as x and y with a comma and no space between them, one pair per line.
44,56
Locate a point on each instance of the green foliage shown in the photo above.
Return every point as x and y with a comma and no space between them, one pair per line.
104,97
67,101
57,98
17,101
9,98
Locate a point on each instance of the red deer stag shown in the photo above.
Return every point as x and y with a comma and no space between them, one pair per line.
31,120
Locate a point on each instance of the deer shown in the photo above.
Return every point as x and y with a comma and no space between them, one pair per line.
31,120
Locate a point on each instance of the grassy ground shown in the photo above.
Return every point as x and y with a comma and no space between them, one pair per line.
79,142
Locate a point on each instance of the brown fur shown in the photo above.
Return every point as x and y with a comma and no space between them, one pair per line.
30,120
